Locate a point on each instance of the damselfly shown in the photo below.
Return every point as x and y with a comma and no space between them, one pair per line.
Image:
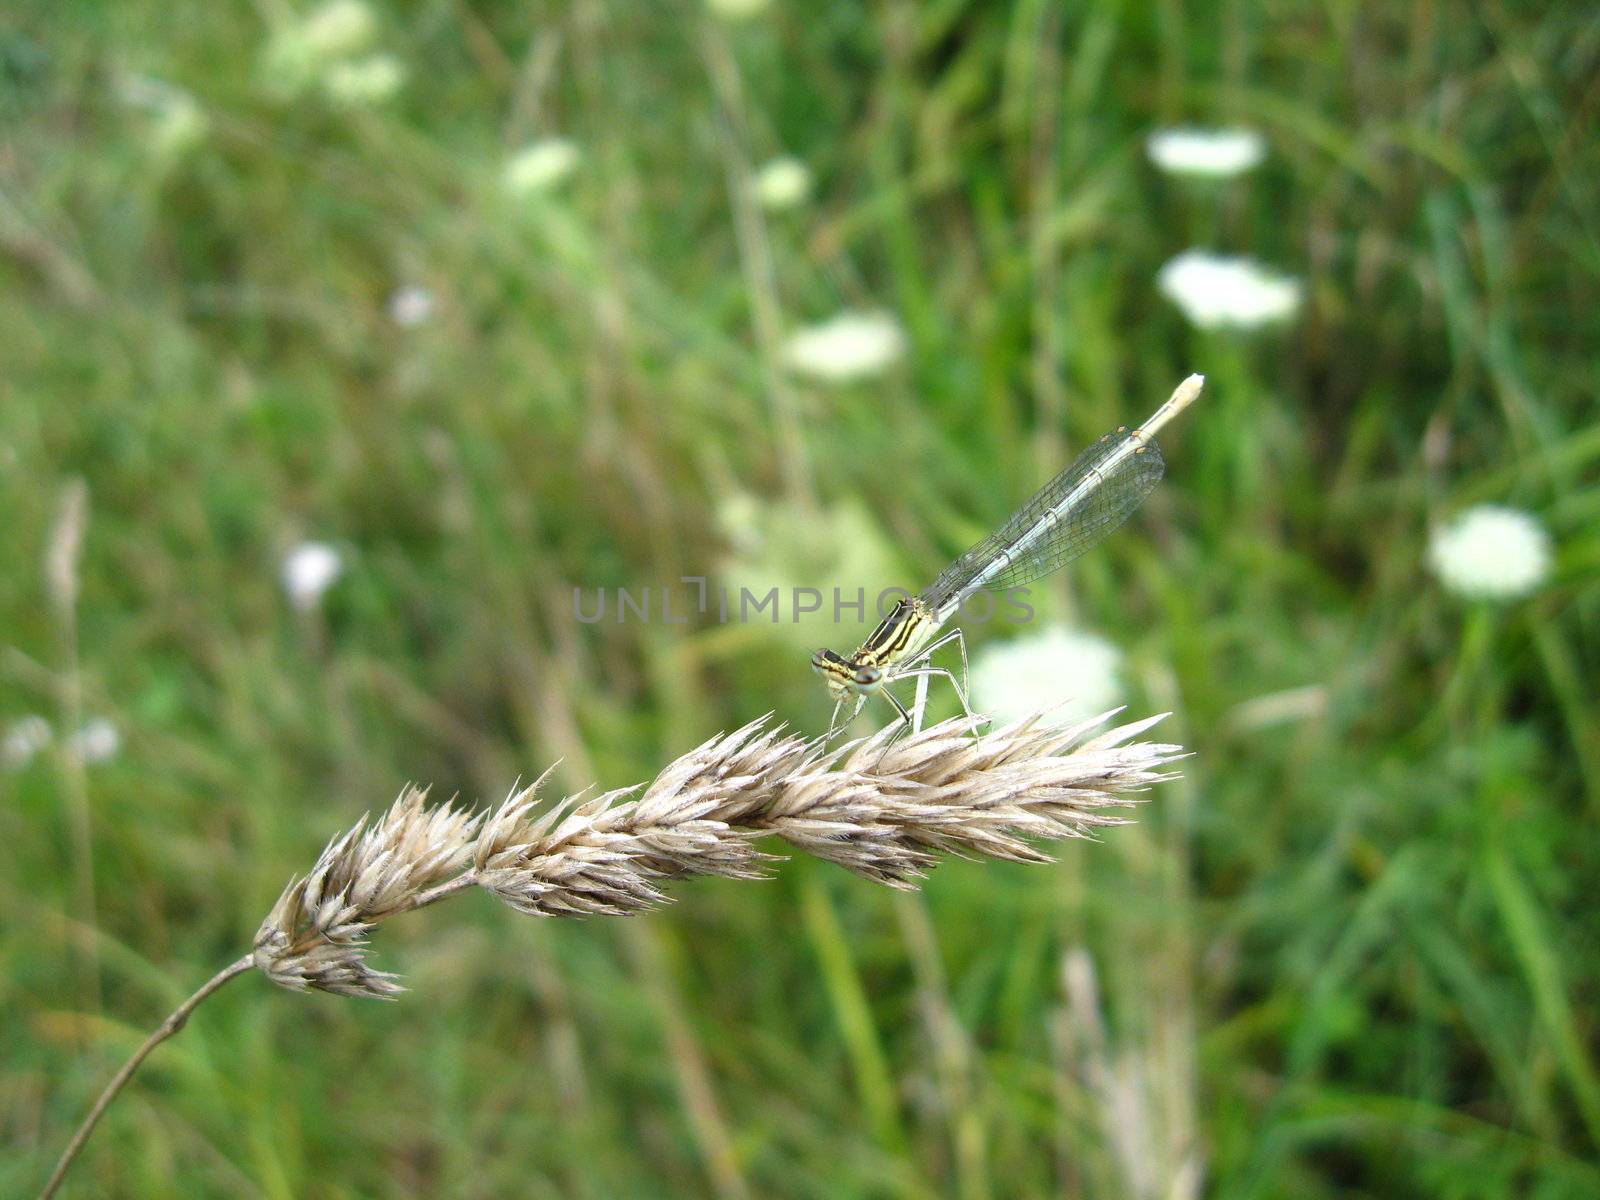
1066,517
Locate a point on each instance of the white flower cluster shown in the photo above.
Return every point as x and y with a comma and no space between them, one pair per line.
783,183
331,48
539,167
1074,673
411,305
309,570
96,742
738,10
176,122
849,346
27,737
1491,553
338,28
1206,153
1216,291
364,82
24,739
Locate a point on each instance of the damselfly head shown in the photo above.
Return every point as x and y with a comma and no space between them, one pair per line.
843,676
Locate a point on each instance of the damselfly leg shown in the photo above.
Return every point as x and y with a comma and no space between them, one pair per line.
835,725
925,657
923,674
910,720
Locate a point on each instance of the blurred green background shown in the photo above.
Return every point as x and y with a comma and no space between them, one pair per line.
271,275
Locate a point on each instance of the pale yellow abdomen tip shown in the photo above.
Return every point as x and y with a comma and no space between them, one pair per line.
1185,394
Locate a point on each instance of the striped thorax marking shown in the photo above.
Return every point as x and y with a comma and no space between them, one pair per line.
901,634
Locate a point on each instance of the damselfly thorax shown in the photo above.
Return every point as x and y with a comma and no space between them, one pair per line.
1072,513
902,633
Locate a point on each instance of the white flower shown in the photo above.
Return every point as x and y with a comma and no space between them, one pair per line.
25,738
1491,553
299,50
180,125
288,64
783,183
743,520
738,10
1057,666
1215,153
410,305
338,28
538,167
848,346
97,741
362,81
1216,291
176,120
309,569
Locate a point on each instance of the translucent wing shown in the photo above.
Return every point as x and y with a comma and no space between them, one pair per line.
1075,511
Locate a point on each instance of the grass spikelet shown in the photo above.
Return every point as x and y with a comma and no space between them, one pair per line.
315,935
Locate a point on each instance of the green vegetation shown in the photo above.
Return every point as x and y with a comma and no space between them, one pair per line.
1355,951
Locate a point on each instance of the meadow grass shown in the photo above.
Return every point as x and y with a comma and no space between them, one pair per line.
1353,950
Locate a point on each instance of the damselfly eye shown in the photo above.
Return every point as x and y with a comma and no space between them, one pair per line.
867,676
